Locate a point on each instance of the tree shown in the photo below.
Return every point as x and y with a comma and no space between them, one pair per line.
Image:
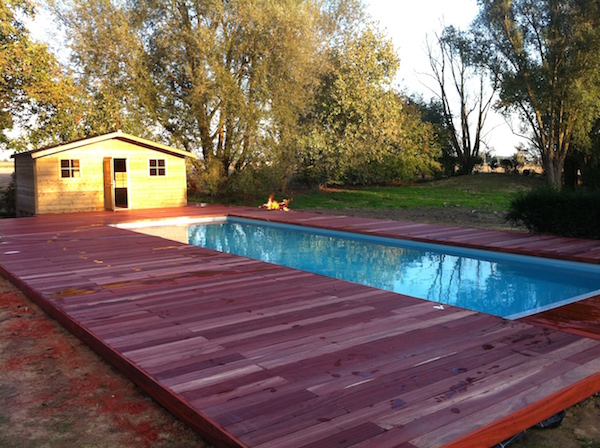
464,92
590,160
583,162
241,82
432,112
420,146
519,158
106,49
15,61
547,57
228,79
33,89
358,131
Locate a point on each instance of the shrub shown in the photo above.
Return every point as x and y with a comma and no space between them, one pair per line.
564,213
508,165
257,182
208,178
8,199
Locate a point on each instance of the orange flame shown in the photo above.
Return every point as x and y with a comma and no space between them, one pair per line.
272,204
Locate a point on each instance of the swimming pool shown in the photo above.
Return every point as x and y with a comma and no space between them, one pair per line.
506,285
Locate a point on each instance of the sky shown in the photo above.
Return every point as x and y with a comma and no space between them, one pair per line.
408,23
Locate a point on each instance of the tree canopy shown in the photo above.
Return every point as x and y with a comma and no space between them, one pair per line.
248,84
359,130
260,90
33,88
547,56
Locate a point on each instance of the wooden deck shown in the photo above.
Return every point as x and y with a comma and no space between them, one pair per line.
258,355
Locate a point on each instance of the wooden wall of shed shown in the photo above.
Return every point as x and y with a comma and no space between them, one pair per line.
25,186
147,191
86,193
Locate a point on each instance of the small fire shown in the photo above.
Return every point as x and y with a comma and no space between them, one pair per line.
274,205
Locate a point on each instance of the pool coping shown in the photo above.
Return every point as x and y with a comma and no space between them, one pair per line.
34,280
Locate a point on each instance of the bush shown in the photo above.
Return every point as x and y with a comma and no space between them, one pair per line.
208,178
564,213
256,182
8,199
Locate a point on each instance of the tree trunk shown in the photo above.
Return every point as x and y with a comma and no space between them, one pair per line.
553,170
466,164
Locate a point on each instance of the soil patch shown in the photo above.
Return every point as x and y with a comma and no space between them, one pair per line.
56,392
455,216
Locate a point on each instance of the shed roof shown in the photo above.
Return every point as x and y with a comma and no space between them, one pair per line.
118,135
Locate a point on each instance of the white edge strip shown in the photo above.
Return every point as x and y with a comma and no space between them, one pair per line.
553,305
182,221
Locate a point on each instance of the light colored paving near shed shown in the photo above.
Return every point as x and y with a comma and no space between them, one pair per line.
252,354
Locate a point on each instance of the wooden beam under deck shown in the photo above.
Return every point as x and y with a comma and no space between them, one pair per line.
252,354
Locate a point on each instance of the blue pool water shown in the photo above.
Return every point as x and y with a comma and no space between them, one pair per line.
505,285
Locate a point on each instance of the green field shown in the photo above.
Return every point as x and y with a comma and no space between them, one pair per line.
480,191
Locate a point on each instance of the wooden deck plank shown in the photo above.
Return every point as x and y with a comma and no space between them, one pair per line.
253,354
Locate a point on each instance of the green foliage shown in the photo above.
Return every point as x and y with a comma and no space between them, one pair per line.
207,178
507,165
261,89
34,92
8,199
109,74
565,213
586,161
590,173
432,113
15,59
256,182
229,78
359,130
547,56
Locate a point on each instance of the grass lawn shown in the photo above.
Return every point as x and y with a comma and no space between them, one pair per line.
481,191
478,200
491,192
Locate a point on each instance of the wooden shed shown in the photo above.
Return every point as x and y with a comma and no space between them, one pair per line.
109,172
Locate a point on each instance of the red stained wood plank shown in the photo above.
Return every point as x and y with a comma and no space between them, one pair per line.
581,318
349,437
259,355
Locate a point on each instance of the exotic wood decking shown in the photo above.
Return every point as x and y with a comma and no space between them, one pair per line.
258,355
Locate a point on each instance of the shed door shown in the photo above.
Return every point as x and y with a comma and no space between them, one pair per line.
109,198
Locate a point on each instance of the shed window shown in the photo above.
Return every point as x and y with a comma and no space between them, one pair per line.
158,167
69,168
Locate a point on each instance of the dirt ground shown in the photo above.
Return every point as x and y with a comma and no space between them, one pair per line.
55,392
455,216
